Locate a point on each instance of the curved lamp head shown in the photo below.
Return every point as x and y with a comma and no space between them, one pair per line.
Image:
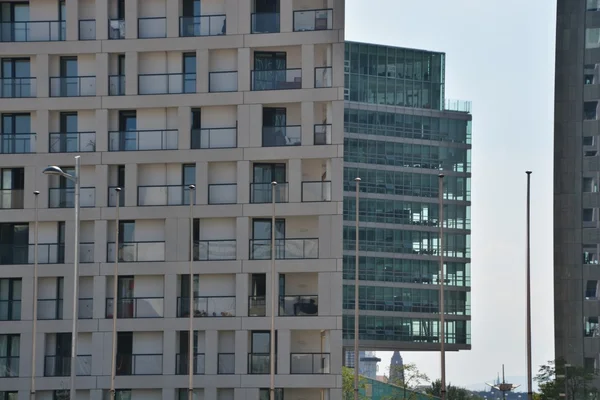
36,192
54,170
192,187
118,189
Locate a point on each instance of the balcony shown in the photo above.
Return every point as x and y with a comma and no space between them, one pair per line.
10,310
214,250
226,363
214,138
313,20
116,85
257,306
116,29
72,142
310,363
276,136
11,199
203,25
285,249
85,308
139,364
87,29
181,364
163,195
73,86
298,306
113,196
263,193
322,134
61,365
32,31
142,140
20,254
17,87
281,79
136,307
170,83
137,251
9,366
17,143
65,197
209,306
265,22
323,77
259,363
152,27
222,193
313,191
223,81
50,309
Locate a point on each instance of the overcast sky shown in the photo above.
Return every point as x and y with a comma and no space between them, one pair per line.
499,55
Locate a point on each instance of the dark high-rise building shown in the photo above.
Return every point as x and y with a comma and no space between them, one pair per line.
396,371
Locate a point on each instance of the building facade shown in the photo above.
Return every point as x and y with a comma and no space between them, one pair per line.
157,95
399,134
367,364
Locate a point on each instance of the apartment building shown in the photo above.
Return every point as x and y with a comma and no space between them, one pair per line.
157,95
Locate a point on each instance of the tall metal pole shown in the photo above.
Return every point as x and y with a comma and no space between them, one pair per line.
356,308
273,300
113,368
442,281
191,358
75,278
529,372
35,301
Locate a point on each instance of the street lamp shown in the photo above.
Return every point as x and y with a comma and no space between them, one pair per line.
54,170
191,356
35,301
273,273
529,371
113,367
356,308
442,279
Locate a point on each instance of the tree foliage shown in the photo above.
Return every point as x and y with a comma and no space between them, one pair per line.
408,377
348,384
452,392
579,383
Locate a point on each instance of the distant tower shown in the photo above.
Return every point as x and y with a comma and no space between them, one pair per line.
396,372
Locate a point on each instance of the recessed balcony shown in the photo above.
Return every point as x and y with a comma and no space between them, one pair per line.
167,83
65,197
209,306
9,366
215,250
11,199
223,81
136,307
226,363
276,136
279,79
263,192
152,27
116,85
222,193
87,29
163,195
32,31
17,143
313,20
257,306
310,363
23,87
72,142
298,306
72,86
285,249
114,196
182,364
260,363
214,138
313,191
52,309
203,25
139,364
116,29
323,77
137,251
17,254
265,22
322,134
140,140
10,310
57,365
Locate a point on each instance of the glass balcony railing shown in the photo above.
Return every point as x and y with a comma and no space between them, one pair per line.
65,197
285,249
265,22
458,105
152,27
9,366
313,20
259,363
208,306
223,81
298,306
24,87
214,250
222,193
113,196
275,136
116,85
72,142
10,310
226,363
168,83
203,25
137,251
214,138
139,364
322,134
18,254
116,29
85,308
162,139
310,363
11,199
263,192
280,79
316,191
136,307
323,77
50,309
257,306
32,31
59,365
182,364
17,143
87,29
163,195
72,86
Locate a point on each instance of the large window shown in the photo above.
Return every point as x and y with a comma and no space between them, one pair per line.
10,299
10,346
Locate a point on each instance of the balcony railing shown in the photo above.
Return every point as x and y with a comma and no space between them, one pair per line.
137,251
152,27
32,31
139,364
280,79
274,136
298,306
223,81
309,363
87,29
209,306
168,83
72,86
285,249
50,309
116,29
17,87
316,191
262,192
256,306
182,364
17,143
85,308
9,366
11,199
226,363
203,25
72,142
10,310
259,363
323,77
214,138
136,307
61,365
313,20
322,134
113,196
18,254
265,22
222,193
214,250
116,85
163,195
65,197
162,139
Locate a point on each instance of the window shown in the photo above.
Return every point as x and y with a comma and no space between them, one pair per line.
592,38
189,72
16,134
10,299
591,327
16,77
9,355
590,110
263,394
126,232
14,12
590,185
188,178
588,215
9,395
590,254
261,229
591,290
588,141
128,138
62,394
15,238
12,182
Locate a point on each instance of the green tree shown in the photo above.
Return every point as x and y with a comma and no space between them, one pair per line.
408,377
452,392
348,384
551,381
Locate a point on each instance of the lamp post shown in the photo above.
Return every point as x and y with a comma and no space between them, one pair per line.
273,276
442,281
191,358
356,308
113,368
529,372
35,301
54,170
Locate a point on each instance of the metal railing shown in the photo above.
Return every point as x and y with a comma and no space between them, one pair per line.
265,22
65,197
136,307
9,366
182,364
214,138
207,306
259,363
140,140
167,83
113,196
458,105
10,310
222,193
87,29
116,85
323,77
72,86
32,31
223,81
313,20
310,363
226,363
285,249
203,25
72,142
280,79
274,136
322,134
316,191
19,254
163,195
298,306
116,29
24,87
139,364
152,27
137,251
257,306
262,192
61,365
50,309
11,199
215,250
17,143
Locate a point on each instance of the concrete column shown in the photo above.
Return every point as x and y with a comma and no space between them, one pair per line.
169,350
210,393
98,352
33,178
284,338
101,20
338,54
308,66
72,19
241,293
101,190
335,348
27,300
243,182
131,72
101,130
170,296
42,77
307,112
269,295
131,19
211,349
102,68
244,63
25,355
68,298
295,180
40,126
337,128
183,239
255,137
243,126
184,127
201,182
171,239
241,352
202,68
172,18
131,183
69,241
231,15
325,236
338,17
242,231
169,394
243,9
99,307
286,16
100,241
337,179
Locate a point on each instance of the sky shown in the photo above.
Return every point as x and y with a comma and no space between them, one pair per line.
499,55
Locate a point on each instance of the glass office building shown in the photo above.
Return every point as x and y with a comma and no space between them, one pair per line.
400,133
